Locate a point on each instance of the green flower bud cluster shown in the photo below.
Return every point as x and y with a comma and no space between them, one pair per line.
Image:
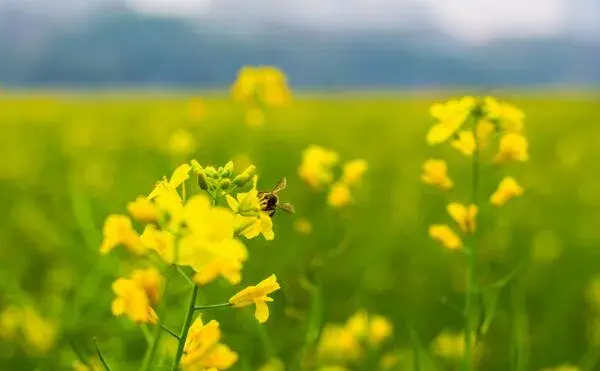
221,180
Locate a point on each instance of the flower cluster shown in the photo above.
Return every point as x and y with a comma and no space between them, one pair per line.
317,170
183,228
344,344
474,127
27,327
260,87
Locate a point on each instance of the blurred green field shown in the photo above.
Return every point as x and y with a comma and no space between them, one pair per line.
67,161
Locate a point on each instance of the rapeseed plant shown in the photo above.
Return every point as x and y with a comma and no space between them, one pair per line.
180,230
470,125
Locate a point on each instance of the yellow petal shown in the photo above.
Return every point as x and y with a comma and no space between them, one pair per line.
465,143
180,175
262,311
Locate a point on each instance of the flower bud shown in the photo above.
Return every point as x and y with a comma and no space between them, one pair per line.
243,179
202,183
227,170
225,184
196,166
211,172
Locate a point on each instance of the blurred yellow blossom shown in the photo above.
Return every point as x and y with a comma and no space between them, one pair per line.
257,295
353,171
255,117
465,143
196,109
92,365
464,216
510,117
143,210
484,130
151,281
39,333
10,321
316,166
565,367
119,231
338,343
163,242
451,116
203,350
263,84
593,293
449,345
181,143
446,236
380,329
339,195
512,147
273,364
303,226
435,172
507,189
389,361
131,300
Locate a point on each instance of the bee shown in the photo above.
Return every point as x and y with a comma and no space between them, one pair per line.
269,201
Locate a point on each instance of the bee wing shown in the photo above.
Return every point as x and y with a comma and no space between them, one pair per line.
280,185
287,207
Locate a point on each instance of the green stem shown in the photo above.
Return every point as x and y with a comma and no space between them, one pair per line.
157,330
471,284
212,306
189,316
101,356
185,276
169,331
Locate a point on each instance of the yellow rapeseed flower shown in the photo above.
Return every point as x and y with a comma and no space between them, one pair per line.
510,117
10,322
338,343
465,142
161,241
507,189
484,130
132,301
181,143
255,117
446,236
151,281
203,350
39,333
435,172
449,345
380,329
164,186
257,295
451,116
316,166
209,246
303,226
464,216
143,210
93,365
119,231
513,147
339,195
251,221
353,171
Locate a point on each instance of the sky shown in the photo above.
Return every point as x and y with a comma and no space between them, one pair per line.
468,20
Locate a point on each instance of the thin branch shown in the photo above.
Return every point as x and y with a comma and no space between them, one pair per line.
212,306
101,356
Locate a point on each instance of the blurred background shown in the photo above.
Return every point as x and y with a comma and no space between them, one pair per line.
80,137
331,44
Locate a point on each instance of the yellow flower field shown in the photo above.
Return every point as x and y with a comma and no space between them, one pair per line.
274,230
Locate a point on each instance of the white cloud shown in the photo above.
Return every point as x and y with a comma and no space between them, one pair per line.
473,20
